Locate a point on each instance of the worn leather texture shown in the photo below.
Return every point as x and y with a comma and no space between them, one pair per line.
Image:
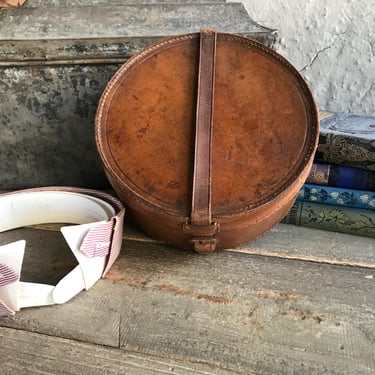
207,138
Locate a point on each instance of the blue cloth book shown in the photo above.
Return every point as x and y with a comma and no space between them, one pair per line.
337,196
341,176
332,218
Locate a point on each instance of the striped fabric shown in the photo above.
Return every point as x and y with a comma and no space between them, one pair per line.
7,276
97,242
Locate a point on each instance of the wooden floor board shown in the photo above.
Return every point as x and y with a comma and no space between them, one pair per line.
232,311
291,242
23,352
243,310
314,245
295,242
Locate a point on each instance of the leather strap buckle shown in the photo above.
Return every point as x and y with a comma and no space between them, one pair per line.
201,230
203,239
204,245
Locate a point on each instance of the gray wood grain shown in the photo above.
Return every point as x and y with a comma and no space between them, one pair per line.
315,245
299,243
249,312
237,311
290,242
24,352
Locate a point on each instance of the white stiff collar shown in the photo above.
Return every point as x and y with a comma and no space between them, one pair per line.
95,241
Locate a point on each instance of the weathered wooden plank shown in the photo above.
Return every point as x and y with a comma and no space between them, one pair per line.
315,245
299,243
22,351
244,312
264,337
290,242
264,315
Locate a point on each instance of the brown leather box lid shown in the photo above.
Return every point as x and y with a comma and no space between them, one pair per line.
264,130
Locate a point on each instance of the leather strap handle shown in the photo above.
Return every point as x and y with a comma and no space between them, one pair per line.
201,227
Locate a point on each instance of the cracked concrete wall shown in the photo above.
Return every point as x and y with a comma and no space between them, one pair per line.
332,44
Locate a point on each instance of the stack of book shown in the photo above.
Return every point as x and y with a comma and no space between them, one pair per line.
339,194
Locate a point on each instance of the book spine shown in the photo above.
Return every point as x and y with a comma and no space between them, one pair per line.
332,218
337,196
345,150
341,176
347,139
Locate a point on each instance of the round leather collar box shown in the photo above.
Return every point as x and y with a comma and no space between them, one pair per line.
207,138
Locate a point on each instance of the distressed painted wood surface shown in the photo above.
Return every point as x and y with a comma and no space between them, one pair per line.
235,311
47,125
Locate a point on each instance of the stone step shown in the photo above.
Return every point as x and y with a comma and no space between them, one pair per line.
71,3
92,32
127,22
